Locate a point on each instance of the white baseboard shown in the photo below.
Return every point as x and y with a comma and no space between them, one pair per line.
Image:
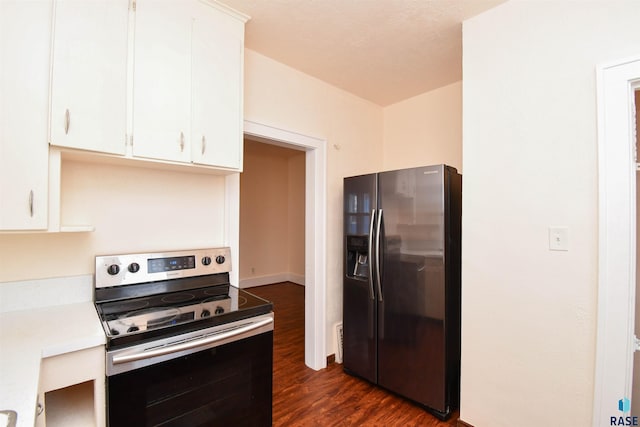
298,279
271,279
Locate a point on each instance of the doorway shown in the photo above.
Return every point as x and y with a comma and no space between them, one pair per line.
617,84
315,355
272,193
635,390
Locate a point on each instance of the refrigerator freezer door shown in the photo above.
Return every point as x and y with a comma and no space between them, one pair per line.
359,305
411,333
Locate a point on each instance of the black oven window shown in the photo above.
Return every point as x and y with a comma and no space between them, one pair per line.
229,385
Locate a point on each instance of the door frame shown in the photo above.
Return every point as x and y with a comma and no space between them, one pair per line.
315,342
616,83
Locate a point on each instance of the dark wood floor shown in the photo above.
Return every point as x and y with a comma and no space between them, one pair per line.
329,397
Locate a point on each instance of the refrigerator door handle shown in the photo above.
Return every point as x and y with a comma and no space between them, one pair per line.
373,220
378,255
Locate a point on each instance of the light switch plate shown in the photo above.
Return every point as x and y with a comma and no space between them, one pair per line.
558,238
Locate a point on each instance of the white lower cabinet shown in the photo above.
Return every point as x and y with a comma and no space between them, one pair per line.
24,87
72,390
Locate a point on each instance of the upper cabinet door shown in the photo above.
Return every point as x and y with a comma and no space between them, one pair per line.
217,57
25,41
161,81
89,75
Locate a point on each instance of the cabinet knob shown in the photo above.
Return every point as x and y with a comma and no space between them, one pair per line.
181,141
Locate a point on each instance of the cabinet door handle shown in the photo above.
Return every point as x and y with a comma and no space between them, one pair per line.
67,121
31,203
181,141
204,145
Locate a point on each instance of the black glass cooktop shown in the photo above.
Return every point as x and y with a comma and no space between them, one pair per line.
135,320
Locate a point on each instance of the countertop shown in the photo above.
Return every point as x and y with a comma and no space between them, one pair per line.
27,336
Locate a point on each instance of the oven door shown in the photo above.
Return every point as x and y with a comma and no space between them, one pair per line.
218,376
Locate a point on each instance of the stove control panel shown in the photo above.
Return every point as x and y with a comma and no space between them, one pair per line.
127,269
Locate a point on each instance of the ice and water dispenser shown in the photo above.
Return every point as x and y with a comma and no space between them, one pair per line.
358,217
357,257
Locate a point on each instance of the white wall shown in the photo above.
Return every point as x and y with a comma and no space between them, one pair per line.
296,217
530,158
424,130
361,137
132,209
282,97
271,215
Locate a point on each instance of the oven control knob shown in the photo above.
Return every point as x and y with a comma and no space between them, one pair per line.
219,310
133,329
205,313
113,269
206,260
220,259
134,267
114,332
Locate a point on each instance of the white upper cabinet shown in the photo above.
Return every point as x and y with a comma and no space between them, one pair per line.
216,88
89,75
162,80
25,28
187,84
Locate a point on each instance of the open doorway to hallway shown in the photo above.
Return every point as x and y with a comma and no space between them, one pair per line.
315,346
617,174
272,215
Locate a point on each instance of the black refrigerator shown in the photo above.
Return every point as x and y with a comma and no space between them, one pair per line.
401,290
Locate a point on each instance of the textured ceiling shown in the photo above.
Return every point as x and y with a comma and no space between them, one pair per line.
381,50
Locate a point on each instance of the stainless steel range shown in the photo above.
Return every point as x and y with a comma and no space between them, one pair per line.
184,347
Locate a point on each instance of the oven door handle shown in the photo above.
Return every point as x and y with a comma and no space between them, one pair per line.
188,345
